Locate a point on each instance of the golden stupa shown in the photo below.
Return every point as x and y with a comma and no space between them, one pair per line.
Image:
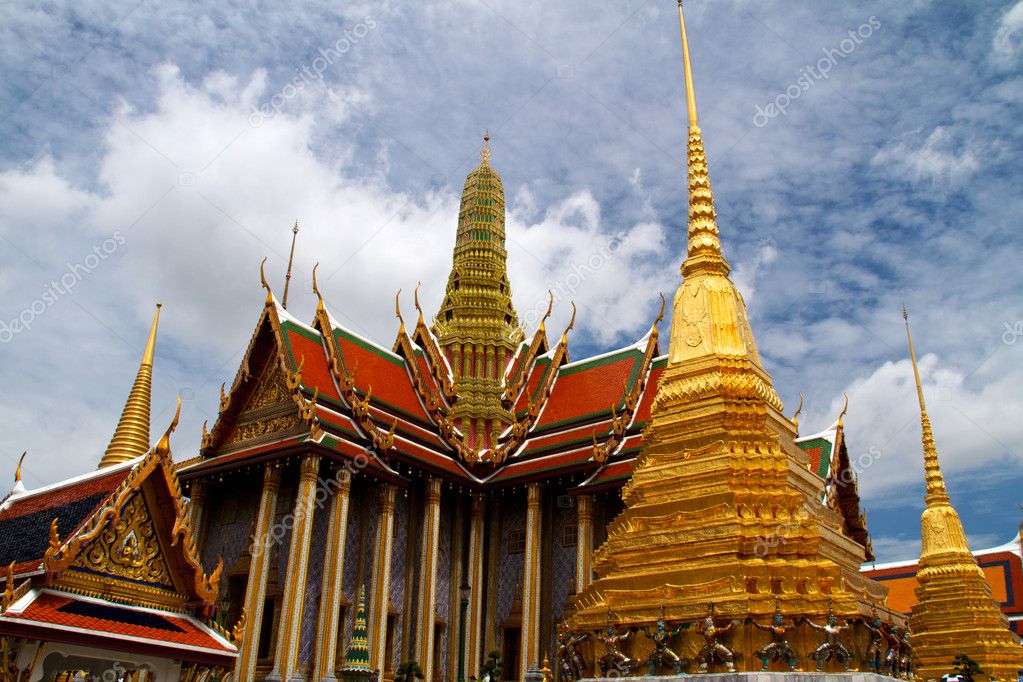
955,613
719,474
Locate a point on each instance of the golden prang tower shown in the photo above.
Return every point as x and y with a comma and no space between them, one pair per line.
477,326
721,507
955,613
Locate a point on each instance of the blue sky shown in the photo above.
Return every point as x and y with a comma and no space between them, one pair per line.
158,151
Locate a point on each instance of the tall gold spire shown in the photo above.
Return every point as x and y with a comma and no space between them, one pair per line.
955,612
131,437
932,470
719,467
704,246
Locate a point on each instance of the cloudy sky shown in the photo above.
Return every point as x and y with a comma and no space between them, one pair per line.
863,155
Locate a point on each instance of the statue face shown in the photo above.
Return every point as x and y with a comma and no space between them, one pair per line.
779,619
832,621
660,626
708,622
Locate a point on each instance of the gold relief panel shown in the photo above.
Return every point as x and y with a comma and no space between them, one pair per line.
126,550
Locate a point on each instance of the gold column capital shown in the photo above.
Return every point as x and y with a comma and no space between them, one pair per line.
309,466
271,477
387,495
534,492
433,490
584,507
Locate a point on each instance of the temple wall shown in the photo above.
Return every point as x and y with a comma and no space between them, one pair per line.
510,565
230,516
359,544
444,561
561,570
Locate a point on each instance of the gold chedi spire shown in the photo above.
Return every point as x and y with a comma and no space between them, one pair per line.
477,326
721,507
955,612
131,437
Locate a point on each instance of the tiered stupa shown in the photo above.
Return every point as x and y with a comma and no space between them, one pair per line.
477,327
721,508
955,613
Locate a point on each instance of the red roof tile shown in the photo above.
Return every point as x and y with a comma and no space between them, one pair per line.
590,388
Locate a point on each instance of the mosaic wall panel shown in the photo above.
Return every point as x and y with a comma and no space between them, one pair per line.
398,556
509,579
362,521
447,519
230,520
314,575
562,569
416,537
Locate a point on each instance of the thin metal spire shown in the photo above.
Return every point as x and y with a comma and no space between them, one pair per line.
291,261
932,469
690,90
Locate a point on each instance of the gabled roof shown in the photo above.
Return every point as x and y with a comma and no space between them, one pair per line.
106,558
55,616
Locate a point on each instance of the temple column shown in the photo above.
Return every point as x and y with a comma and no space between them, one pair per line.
474,628
197,510
380,595
428,578
531,582
290,633
259,564
584,542
330,595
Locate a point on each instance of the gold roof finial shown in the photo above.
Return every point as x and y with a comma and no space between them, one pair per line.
550,307
316,289
291,260
704,245
397,311
571,323
485,152
845,408
19,486
263,282
932,469
163,447
131,437
415,297
795,416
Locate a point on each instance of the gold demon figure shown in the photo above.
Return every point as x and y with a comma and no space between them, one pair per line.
778,648
714,645
570,660
875,650
614,659
831,648
662,653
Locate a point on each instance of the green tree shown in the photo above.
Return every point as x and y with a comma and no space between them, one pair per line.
409,671
967,667
492,669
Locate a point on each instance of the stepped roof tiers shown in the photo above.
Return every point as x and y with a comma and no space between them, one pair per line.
720,470
954,612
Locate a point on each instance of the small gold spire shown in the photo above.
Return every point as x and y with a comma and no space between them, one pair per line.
571,323
550,307
131,437
291,260
485,152
932,469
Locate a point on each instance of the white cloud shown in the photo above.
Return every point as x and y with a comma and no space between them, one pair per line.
1007,43
942,159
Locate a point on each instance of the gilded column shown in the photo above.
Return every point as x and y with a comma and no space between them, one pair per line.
584,542
259,564
474,628
428,578
380,596
290,633
330,596
196,510
531,582
492,638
